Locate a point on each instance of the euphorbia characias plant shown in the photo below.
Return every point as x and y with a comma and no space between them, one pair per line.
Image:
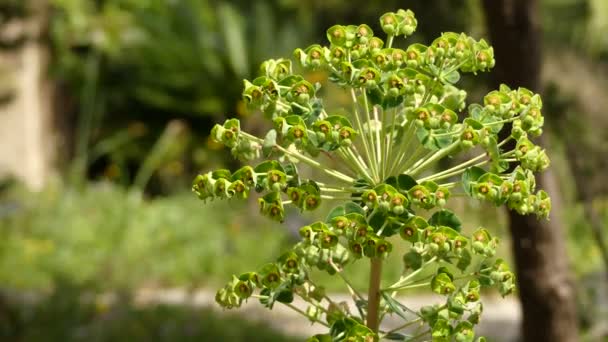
404,118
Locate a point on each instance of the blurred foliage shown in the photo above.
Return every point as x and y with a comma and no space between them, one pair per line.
587,23
175,53
107,238
74,313
129,63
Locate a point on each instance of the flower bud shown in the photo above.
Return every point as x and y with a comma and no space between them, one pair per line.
370,198
355,248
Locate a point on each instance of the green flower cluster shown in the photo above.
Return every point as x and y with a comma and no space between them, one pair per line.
393,76
229,135
404,120
268,177
515,189
291,102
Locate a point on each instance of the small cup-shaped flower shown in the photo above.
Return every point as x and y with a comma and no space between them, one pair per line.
395,86
532,119
312,201
253,95
438,242
369,77
410,231
297,196
442,194
442,282
370,198
382,59
483,243
337,55
272,206
270,275
469,138
390,23
323,130
473,291
243,289
315,56
246,175
498,102
361,231
385,195
276,69
340,224
230,134
414,55
346,134
227,298
276,180
383,248
375,44
458,244
289,262
220,188
307,233
364,33
327,239
301,92
543,204
202,186
337,35
358,51
408,22
523,147
464,332
356,248
369,246
447,118
398,204
441,46
484,191
421,196
238,189
462,48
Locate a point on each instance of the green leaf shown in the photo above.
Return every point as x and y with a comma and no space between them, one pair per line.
269,165
447,218
405,182
343,210
397,307
472,174
412,260
465,260
442,284
473,123
270,140
452,77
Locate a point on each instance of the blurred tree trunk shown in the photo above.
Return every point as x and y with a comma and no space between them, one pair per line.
545,284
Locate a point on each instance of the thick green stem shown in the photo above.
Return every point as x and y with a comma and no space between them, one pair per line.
374,295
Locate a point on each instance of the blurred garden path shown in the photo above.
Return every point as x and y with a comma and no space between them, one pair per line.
500,320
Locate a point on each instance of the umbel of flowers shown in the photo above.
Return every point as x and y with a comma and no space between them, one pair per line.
404,118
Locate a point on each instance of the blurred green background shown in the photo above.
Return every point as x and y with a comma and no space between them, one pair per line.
137,85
